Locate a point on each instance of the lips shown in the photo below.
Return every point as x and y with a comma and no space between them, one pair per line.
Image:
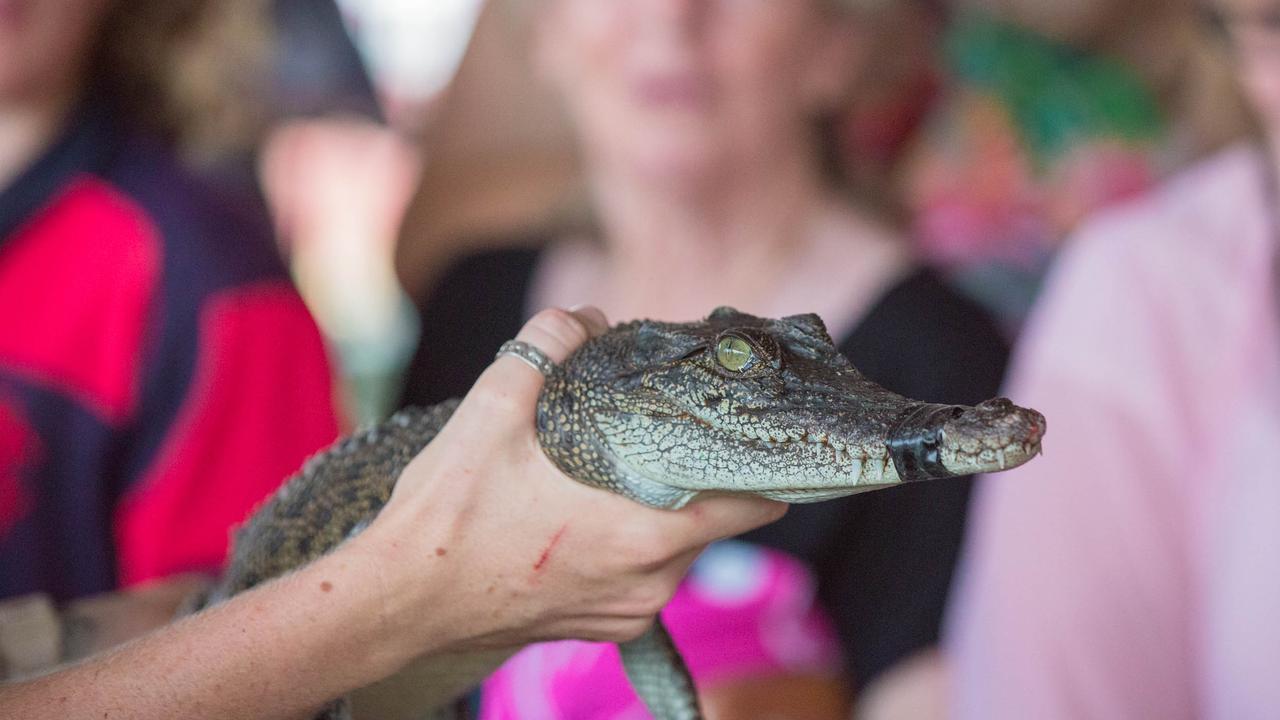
677,91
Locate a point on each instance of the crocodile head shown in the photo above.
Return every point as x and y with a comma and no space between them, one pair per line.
735,403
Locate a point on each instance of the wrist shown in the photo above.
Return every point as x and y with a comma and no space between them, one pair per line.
375,629
397,603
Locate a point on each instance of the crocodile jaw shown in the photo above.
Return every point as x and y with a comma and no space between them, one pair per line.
990,437
674,457
689,455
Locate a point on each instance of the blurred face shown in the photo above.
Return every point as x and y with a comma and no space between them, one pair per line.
692,89
1253,29
43,44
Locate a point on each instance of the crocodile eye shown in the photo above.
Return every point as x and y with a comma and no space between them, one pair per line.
734,354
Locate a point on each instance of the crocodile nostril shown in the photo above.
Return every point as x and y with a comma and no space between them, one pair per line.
956,412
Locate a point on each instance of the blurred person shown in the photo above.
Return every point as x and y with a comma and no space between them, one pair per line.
1051,111
1130,573
269,652
699,124
336,176
310,75
158,374
492,175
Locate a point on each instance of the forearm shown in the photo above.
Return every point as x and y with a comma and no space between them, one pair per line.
278,651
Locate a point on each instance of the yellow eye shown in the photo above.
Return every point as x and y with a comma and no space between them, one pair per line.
734,354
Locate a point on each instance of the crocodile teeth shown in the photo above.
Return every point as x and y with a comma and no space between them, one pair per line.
856,471
872,470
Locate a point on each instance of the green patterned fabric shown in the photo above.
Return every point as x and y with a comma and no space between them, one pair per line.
1055,94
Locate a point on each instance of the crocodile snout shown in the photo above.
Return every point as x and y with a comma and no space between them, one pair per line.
936,441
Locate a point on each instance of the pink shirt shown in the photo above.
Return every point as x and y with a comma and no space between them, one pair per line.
743,612
1134,570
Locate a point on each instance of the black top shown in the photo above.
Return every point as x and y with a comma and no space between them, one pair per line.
883,560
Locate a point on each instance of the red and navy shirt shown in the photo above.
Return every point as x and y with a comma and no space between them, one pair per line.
159,375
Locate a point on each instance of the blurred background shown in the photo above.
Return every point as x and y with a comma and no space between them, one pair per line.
1072,204
340,178
989,131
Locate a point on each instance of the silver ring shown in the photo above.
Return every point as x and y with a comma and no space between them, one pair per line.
536,359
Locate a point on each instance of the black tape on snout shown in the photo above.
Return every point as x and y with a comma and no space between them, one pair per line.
913,442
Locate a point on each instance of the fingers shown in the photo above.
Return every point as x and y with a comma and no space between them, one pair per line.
593,317
716,517
557,333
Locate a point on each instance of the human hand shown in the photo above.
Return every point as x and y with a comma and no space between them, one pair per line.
486,535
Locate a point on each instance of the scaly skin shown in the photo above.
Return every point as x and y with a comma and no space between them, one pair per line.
658,412
647,410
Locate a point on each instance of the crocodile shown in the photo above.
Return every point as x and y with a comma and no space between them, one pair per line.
658,412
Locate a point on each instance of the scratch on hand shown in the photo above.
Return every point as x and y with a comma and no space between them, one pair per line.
546,552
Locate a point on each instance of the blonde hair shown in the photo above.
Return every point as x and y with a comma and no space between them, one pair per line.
189,69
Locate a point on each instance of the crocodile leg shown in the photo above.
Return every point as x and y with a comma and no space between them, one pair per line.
659,675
